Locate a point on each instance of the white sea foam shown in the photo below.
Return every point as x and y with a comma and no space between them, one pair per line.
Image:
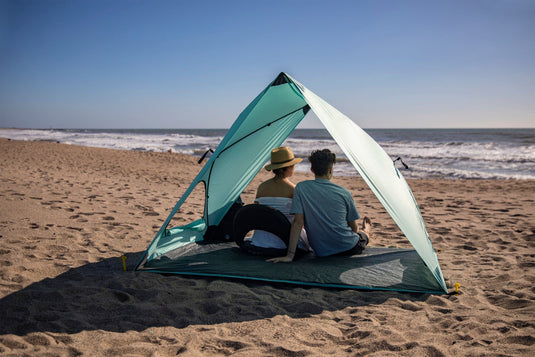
187,144
428,153
468,151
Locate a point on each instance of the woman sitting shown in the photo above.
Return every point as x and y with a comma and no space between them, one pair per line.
277,192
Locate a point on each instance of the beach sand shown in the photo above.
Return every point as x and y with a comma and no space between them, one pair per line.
68,213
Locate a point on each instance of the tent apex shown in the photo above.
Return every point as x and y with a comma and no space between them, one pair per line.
282,78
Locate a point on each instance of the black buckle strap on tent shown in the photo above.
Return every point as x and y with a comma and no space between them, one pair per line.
281,79
204,155
400,160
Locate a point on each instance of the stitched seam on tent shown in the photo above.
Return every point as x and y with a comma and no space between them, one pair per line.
253,132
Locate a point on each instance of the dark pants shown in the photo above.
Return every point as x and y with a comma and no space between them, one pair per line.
359,247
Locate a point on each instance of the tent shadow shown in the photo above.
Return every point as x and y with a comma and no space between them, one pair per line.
100,296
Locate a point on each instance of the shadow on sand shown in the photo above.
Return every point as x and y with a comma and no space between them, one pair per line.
100,296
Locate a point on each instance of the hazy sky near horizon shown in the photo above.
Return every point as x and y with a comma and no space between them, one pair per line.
198,64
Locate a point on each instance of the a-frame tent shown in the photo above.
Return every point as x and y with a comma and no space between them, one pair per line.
266,122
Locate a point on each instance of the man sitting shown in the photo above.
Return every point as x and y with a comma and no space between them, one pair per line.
328,213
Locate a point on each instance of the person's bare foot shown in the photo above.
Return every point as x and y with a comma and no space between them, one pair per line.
367,225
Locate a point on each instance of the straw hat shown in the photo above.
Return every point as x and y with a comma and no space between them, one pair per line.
282,157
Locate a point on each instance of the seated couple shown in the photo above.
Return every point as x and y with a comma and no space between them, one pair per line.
325,210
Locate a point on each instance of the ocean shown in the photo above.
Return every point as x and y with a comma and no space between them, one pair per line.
428,153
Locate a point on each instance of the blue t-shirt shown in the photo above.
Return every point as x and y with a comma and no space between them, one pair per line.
327,208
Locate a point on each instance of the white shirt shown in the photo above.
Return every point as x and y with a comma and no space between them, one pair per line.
269,240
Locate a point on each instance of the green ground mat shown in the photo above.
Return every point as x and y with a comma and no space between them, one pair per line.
376,269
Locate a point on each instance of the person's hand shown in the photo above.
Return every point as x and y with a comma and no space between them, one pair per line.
285,259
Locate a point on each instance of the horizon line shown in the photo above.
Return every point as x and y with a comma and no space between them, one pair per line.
321,128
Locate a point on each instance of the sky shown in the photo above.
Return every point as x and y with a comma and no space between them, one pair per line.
198,64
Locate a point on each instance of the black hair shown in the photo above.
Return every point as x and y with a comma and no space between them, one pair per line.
280,171
321,161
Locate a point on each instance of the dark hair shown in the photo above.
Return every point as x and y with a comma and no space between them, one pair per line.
321,161
280,171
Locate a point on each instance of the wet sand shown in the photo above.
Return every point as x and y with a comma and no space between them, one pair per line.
68,213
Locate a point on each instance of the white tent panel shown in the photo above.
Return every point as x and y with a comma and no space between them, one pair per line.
381,175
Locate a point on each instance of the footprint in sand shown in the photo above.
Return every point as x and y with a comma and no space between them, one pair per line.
522,340
150,213
38,339
75,228
14,343
467,247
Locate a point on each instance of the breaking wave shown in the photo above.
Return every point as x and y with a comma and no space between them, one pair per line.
429,153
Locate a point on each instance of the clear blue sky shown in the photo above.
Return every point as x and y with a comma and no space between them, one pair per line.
197,64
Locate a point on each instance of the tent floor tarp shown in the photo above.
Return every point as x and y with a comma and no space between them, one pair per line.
377,268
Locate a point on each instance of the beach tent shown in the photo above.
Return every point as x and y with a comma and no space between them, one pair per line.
264,124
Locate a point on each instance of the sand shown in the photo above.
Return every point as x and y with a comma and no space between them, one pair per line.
68,213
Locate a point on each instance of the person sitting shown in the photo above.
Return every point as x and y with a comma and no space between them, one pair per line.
277,192
328,213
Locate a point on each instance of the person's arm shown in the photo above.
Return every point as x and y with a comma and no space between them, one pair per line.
353,225
295,232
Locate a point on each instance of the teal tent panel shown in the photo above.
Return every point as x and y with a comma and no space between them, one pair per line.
262,126
238,165
178,237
